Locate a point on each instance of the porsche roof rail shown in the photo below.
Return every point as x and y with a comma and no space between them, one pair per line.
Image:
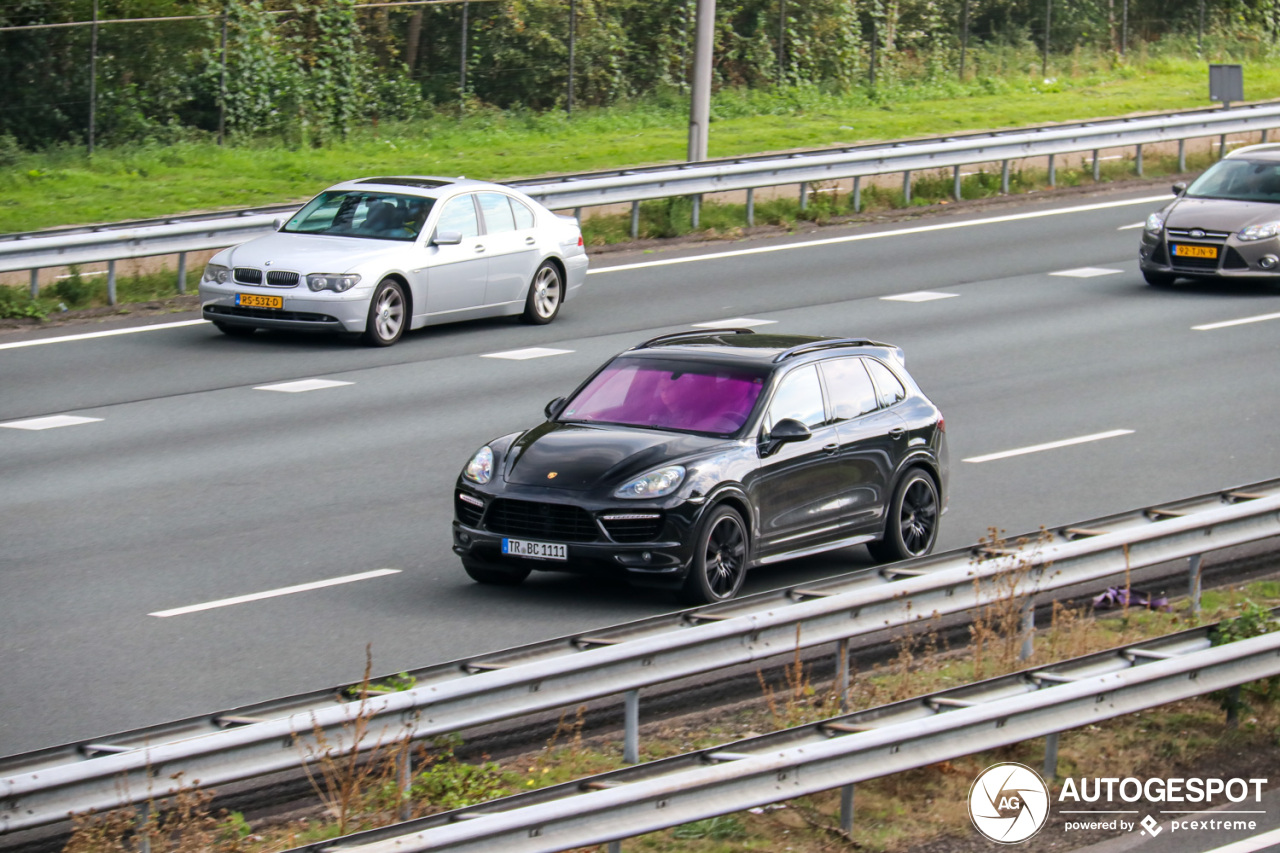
830,343
700,333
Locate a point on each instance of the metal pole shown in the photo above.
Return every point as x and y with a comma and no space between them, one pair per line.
857,195
804,195
696,212
1050,757
1097,167
93,76
846,809
1182,155
631,715
906,187
751,207
404,777
462,74
573,34
1004,177
700,105
1053,174
842,681
182,272
1222,146
635,219
1193,582
955,180
35,283
111,282
1028,628
1138,160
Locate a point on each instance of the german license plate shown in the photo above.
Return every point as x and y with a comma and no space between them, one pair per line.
253,300
534,550
1184,251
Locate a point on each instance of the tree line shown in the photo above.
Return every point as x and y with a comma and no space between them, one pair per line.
307,71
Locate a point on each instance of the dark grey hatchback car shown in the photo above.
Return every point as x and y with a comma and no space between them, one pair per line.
686,460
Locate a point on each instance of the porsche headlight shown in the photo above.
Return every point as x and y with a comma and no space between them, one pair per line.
1260,232
216,274
1155,222
655,484
337,282
480,468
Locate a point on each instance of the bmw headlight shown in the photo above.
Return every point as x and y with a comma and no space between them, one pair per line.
337,282
216,274
480,468
1155,222
1260,232
655,484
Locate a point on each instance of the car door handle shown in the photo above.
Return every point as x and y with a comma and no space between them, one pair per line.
897,432
529,241
831,448
479,248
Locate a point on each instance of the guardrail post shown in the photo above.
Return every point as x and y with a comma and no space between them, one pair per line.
1233,706
144,836
1222,146
1028,628
1138,160
635,219
577,214
697,210
615,847
906,187
111,282
857,195
1193,582
1053,174
1264,135
1097,167
751,206
1050,757
182,272
1004,177
842,677
955,181
1182,155
35,283
804,195
846,809
631,738
404,778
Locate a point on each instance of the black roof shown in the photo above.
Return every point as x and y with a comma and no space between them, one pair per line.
745,345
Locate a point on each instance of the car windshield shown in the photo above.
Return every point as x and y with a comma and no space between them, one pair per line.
360,213
1240,180
674,395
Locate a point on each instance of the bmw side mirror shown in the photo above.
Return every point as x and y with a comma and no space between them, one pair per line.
785,431
554,408
277,224
447,238
1180,188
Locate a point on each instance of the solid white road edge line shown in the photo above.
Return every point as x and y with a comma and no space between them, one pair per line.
1226,323
899,232
273,593
109,333
1052,445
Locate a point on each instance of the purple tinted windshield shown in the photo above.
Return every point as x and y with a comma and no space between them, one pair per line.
645,393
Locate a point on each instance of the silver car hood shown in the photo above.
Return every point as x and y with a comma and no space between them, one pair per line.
1219,214
312,252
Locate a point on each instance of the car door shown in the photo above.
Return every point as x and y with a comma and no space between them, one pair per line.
511,249
796,488
871,437
457,274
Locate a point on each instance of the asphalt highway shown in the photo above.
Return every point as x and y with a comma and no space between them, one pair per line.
196,531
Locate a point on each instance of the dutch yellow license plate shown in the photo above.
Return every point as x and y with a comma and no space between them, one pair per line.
253,300
1195,251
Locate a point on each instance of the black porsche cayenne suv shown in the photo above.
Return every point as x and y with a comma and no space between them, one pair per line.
690,458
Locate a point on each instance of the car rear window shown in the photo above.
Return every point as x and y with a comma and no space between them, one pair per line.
668,395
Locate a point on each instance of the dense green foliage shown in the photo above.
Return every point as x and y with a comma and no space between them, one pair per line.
306,71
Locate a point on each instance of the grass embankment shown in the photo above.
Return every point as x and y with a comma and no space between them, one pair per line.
894,813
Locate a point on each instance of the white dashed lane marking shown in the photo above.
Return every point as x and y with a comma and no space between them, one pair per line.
1052,445
736,322
918,296
1241,322
1086,272
273,593
51,422
526,354
302,385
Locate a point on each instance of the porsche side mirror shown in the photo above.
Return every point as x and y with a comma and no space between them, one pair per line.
785,431
554,408
1180,188
447,238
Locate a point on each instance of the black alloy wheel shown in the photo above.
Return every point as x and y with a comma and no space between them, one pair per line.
387,315
488,573
546,293
912,526
720,562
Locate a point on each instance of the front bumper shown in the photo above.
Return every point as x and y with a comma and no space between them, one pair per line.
303,309
1234,258
654,553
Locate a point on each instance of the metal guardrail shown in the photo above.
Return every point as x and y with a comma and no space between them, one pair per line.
835,752
43,787
38,250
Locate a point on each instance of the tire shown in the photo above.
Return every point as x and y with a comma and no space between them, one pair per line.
546,294
720,561
1158,279
912,526
488,573
388,315
235,331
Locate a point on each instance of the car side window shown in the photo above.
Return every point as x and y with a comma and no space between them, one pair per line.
799,397
889,386
459,214
524,216
850,388
497,213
